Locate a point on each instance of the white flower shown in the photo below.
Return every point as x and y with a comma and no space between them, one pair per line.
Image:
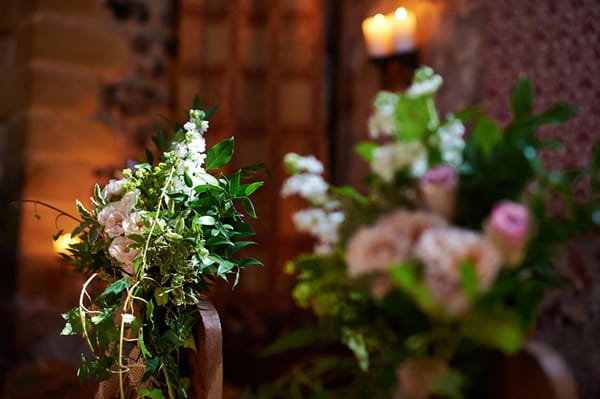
451,141
120,249
428,86
134,224
180,150
390,158
111,218
382,122
113,188
308,186
309,164
129,200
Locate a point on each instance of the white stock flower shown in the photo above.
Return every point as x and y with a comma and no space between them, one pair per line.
382,122
428,86
320,224
308,186
309,164
451,141
180,150
390,158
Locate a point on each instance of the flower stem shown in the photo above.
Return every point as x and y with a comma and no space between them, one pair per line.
60,211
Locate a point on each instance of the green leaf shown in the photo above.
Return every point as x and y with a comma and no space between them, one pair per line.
187,179
521,100
450,385
196,103
152,394
406,277
468,280
249,207
149,156
486,134
73,323
413,117
220,154
366,150
210,112
206,220
117,287
495,329
355,341
559,113
245,262
303,337
249,189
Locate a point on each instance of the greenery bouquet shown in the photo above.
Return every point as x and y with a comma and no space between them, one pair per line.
442,259
152,245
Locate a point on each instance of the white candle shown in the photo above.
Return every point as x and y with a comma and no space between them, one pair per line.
404,24
378,32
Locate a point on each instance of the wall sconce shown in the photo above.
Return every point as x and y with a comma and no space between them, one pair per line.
391,45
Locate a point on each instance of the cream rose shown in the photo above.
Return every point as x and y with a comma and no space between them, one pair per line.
111,218
134,224
120,249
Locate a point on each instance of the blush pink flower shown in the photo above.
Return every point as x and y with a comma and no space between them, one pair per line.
111,218
391,239
134,224
438,190
443,251
120,249
373,248
508,228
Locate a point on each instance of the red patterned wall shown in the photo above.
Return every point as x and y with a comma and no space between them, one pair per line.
557,44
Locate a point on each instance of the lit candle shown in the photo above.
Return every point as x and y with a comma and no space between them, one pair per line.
404,24
378,31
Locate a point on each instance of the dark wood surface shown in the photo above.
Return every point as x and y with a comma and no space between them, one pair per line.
207,362
537,372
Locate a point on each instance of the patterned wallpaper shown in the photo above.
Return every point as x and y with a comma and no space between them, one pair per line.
557,44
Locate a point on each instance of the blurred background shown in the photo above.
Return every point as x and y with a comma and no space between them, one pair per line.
82,83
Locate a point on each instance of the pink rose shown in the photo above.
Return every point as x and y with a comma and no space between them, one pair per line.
373,249
508,228
438,190
120,249
443,251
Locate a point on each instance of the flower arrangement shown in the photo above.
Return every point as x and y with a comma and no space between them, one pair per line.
153,244
445,258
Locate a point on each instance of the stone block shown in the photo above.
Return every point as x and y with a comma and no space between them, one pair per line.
11,14
66,86
74,40
13,91
70,136
295,100
69,7
299,6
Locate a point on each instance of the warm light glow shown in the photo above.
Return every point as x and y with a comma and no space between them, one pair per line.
63,242
379,19
404,30
401,13
378,32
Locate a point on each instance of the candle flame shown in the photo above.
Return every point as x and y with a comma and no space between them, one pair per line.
379,19
401,13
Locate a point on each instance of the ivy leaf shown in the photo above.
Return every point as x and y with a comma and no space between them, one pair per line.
117,287
220,154
152,394
73,323
521,100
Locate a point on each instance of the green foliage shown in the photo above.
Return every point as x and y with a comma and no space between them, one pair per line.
389,313
190,225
